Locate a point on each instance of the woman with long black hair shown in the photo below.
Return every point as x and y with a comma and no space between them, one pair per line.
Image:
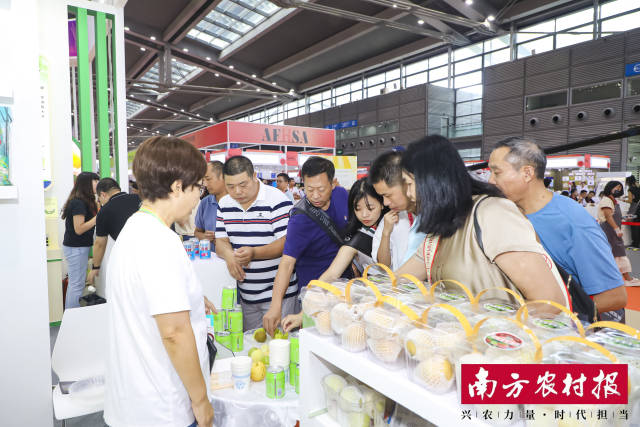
474,235
79,213
366,210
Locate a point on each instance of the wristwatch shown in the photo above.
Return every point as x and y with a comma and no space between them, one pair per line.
95,267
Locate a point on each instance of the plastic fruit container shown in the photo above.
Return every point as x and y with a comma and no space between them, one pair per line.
351,408
450,292
332,385
548,319
374,405
385,327
318,298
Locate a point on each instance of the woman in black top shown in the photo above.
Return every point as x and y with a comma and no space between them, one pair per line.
633,198
79,213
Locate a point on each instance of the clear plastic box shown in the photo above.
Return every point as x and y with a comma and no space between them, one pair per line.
332,385
318,298
351,408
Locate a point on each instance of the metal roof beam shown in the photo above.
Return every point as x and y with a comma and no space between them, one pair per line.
522,10
374,62
466,10
345,36
176,30
255,33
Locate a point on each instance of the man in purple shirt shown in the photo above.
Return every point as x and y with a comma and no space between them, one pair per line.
309,248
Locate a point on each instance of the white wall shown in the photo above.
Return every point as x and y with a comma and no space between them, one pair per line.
25,366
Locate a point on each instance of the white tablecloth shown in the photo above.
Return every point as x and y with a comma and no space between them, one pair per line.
253,408
213,276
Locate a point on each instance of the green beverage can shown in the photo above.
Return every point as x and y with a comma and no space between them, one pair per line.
275,382
235,321
228,297
294,349
218,321
224,338
236,341
292,374
297,385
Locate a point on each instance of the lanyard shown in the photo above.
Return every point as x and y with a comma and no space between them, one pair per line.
152,213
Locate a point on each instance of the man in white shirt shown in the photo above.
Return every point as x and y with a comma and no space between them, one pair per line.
282,182
397,237
297,193
250,233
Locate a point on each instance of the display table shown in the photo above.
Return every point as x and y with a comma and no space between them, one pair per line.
253,408
320,356
213,275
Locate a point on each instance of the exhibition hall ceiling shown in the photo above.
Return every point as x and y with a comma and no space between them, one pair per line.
190,63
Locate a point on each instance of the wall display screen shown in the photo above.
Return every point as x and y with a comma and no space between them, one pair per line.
547,100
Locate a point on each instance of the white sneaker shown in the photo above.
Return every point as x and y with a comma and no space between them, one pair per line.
632,282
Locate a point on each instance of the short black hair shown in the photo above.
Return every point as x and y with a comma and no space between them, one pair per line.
317,165
133,184
291,179
565,193
107,184
283,175
217,166
444,187
583,191
630,181
608,189
547,181
387,167
236,165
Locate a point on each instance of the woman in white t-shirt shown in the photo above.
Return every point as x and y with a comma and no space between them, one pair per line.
157,360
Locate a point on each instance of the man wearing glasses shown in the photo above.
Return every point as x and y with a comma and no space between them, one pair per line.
208,208
250,235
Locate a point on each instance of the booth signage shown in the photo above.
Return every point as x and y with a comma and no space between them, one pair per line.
342,125
632,69
256,133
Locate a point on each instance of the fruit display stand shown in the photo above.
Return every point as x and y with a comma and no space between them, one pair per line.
320,356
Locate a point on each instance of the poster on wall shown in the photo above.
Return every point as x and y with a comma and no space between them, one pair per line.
5,134
346,170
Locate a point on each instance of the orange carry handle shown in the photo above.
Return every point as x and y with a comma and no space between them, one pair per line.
382,267
457,313
369,283
510,291
418,283
523,310
585,341
618,326
327,287
400,306
463,287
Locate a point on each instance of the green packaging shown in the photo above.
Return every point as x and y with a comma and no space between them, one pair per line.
224,338
235,321
236,342
294,352
228,298
275,381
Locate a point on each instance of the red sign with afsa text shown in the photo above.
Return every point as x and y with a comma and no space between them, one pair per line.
562,384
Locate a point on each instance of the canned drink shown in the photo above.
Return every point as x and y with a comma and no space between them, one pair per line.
188,246
235,321
236,341
292,374
218,321
196,246
205,249
225,319
224,338
275,382
294,351
228,297
297,385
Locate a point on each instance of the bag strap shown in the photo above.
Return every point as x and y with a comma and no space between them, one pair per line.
320,217
476,224
429,250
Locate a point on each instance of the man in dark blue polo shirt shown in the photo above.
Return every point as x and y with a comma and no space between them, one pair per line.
309,249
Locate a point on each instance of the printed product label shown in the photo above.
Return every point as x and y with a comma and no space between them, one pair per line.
503,340
499,308
450,296
624,342
550,324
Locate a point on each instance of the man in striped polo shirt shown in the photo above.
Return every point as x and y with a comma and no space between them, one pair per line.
250,233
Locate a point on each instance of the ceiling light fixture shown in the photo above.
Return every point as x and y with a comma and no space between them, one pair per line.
211,119
217,75
237,83
173,59
208,58
190,118
258,90
142,49
254,76
395,5
152,37
165,105
275,96
231,67
491,18
185,49
420,22
469,2
157,109
274,83
168,134
126,28
182,110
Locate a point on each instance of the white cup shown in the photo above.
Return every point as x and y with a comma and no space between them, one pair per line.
240,373
279,353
